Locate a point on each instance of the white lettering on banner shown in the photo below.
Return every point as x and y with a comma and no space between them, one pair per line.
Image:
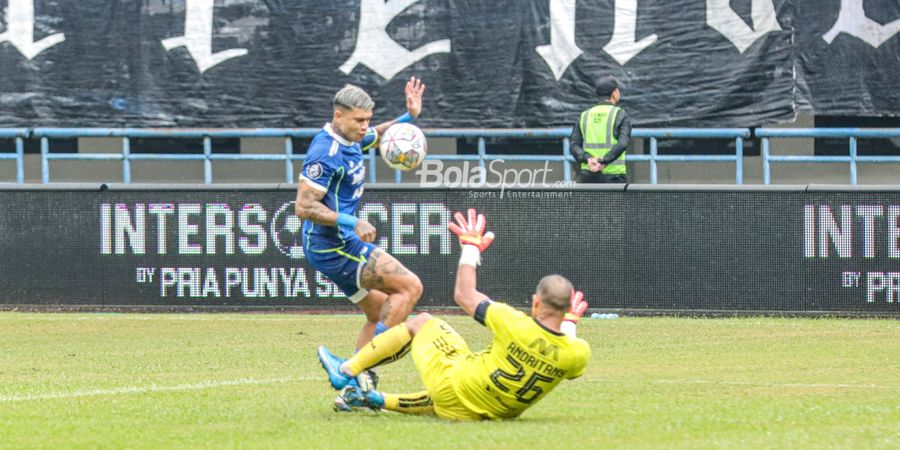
106,239
250,282
197,38
562,49
852,19
432,223
884,282
187,229
221,229
402,230
211,284
215,229
429,229
869,213
376,50
20,30
841,235
134,230
380,214
722,18
893,225
251,229
824,227
233,279
623,47
809,231
161,210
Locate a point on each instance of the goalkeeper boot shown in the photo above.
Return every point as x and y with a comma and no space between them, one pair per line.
353,397
367,380
364,382
332,366
347,400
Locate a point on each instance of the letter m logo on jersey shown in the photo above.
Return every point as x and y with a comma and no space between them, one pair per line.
545,349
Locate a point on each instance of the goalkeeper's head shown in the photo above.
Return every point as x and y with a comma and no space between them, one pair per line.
552,296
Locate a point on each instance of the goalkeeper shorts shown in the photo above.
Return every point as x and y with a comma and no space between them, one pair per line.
436,349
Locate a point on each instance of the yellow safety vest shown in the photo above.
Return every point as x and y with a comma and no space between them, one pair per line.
597,130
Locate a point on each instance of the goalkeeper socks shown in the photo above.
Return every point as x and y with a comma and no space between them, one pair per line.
386,347
417,403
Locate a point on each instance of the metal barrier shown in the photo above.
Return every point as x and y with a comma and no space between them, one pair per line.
207,157
654,134
45,134
850,133
738,134
19,134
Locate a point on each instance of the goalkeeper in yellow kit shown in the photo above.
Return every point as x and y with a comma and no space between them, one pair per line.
527,358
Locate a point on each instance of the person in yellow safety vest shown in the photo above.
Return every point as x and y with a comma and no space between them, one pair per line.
601,137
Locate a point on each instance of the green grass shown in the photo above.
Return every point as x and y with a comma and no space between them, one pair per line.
162,381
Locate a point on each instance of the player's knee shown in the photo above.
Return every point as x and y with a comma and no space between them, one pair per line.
373,316
410,289
416,323
414,289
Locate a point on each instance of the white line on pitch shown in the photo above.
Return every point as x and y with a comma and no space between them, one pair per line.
151,388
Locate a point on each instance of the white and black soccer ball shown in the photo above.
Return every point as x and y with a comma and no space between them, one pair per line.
403,146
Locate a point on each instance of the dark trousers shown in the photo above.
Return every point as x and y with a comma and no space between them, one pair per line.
586,176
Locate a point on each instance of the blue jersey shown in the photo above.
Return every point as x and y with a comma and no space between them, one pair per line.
336,167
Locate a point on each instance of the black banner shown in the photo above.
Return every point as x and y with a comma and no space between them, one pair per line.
848,56
644,249
500,64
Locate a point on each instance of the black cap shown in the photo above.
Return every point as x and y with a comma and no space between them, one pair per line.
606,85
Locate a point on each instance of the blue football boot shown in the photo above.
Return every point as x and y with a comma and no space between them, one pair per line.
332,366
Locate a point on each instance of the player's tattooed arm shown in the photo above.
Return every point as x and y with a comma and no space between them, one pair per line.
309,206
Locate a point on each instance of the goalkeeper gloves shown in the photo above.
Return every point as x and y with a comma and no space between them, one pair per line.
472,236
577,307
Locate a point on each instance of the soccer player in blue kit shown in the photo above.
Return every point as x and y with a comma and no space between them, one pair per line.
335,241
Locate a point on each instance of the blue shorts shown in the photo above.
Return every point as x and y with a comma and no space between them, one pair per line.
343,265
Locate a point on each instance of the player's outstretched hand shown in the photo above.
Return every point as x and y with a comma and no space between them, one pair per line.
471,231
577,306
414,90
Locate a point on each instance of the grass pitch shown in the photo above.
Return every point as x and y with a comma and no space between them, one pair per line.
253,381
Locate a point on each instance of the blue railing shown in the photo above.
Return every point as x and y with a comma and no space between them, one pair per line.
853,134
482,157
19,134
207,156
654,134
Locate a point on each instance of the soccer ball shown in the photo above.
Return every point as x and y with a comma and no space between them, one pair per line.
403,146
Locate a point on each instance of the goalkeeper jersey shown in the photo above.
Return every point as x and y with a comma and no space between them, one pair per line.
523,363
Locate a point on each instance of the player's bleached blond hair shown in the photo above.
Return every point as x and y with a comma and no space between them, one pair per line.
350,97
555,291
